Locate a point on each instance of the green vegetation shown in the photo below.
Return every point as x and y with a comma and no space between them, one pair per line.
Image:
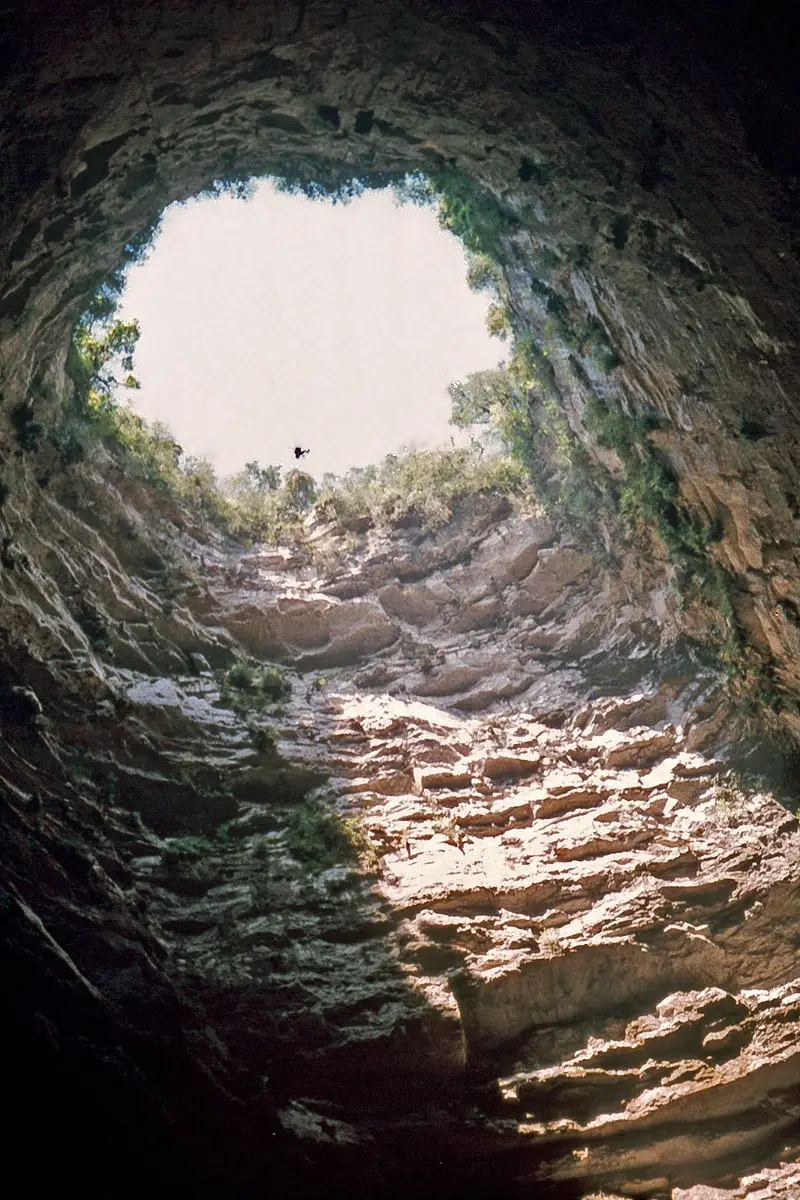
237,187
521,402
251,687
483,274
649,494
319,838
263,739
649,499
191,848
470,212
328,185
100,364
465,208
259,506
421,486
29,432
498,321
481,398
255,504
369,854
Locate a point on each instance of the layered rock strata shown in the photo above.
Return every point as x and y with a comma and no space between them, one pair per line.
567,962
565,956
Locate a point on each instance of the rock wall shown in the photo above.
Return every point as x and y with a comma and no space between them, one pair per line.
565,959
641,228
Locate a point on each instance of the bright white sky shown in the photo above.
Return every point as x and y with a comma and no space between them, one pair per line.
281,320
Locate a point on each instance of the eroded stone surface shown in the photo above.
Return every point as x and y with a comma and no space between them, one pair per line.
573,967
564,897
570,927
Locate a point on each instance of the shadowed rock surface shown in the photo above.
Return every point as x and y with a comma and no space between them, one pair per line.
559,955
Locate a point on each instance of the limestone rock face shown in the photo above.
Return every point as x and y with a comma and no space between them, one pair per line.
640,229
562,954
481,911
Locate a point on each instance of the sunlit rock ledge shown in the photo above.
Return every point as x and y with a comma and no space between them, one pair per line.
567,940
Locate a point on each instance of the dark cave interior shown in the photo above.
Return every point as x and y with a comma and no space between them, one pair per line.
646,160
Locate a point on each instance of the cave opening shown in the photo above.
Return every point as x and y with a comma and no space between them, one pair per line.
278,319
534,938
357,316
